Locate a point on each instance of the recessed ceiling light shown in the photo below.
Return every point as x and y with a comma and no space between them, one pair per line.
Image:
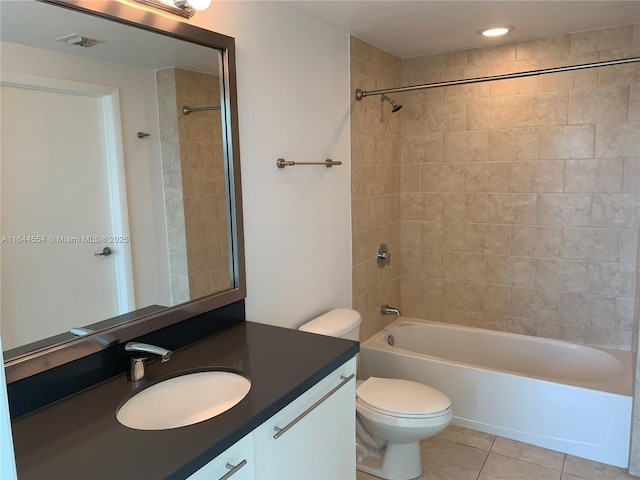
496,31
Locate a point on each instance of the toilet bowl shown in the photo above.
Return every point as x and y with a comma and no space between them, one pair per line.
398,415
392,415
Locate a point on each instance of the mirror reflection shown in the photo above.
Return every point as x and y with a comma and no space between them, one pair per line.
114,201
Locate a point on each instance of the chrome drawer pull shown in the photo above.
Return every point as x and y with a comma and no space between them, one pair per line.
234,469
282,431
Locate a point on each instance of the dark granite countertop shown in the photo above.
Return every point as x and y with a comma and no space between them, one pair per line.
80,438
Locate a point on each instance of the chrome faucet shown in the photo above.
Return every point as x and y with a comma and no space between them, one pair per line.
387,310
138,351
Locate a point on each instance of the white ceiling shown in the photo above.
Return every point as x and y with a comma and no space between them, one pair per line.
414,28
404,28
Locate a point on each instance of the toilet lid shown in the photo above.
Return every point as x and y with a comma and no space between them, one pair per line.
395,397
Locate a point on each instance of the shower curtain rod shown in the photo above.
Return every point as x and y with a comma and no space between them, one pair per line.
361,94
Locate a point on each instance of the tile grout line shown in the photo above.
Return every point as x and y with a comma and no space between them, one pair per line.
487,457
483,464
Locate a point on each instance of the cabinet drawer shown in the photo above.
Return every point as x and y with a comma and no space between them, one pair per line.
235,463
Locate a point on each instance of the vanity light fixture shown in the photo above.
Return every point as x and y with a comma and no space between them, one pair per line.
184,8
496,31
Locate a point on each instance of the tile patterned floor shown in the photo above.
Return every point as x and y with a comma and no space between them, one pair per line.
463,454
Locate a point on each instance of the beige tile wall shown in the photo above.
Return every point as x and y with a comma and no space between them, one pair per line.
203,182
375,186
194,179
519,203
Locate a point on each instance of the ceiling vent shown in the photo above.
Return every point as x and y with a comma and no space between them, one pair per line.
79,40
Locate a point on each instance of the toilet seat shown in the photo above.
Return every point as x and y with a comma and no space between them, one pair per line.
402,398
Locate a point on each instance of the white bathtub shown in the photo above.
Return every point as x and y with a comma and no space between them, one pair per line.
558,395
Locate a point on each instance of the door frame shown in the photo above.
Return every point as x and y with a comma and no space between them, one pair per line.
114,153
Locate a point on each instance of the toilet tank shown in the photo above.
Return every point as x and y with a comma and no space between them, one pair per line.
341,322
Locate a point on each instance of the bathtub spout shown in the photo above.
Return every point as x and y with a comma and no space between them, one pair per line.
387,310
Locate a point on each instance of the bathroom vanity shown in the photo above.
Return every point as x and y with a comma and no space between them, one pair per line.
290,371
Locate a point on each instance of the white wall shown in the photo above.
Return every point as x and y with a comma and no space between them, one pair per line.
143,170
293,100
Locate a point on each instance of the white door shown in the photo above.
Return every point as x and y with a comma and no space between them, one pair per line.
54,222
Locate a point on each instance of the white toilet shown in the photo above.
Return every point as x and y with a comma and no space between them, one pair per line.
392,415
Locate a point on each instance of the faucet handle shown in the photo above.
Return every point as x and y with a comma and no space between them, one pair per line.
137,371
383,256
139,352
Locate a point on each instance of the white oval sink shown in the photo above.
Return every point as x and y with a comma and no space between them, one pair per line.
184,400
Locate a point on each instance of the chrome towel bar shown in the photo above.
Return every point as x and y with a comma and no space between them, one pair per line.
281,163
187,110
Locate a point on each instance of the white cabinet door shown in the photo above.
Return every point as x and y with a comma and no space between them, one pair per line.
235,463
315,434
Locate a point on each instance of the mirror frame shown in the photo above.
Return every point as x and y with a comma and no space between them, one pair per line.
50,357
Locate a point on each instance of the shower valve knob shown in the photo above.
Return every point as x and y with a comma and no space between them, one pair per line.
383,256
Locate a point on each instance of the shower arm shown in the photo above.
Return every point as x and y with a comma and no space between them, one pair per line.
360,94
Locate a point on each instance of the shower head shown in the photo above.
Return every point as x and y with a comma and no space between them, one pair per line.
396,106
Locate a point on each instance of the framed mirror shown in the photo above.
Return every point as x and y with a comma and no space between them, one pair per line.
120,194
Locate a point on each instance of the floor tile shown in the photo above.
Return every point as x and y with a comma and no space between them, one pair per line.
528,453
466,436
591,470
462,454
499,467
445,460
